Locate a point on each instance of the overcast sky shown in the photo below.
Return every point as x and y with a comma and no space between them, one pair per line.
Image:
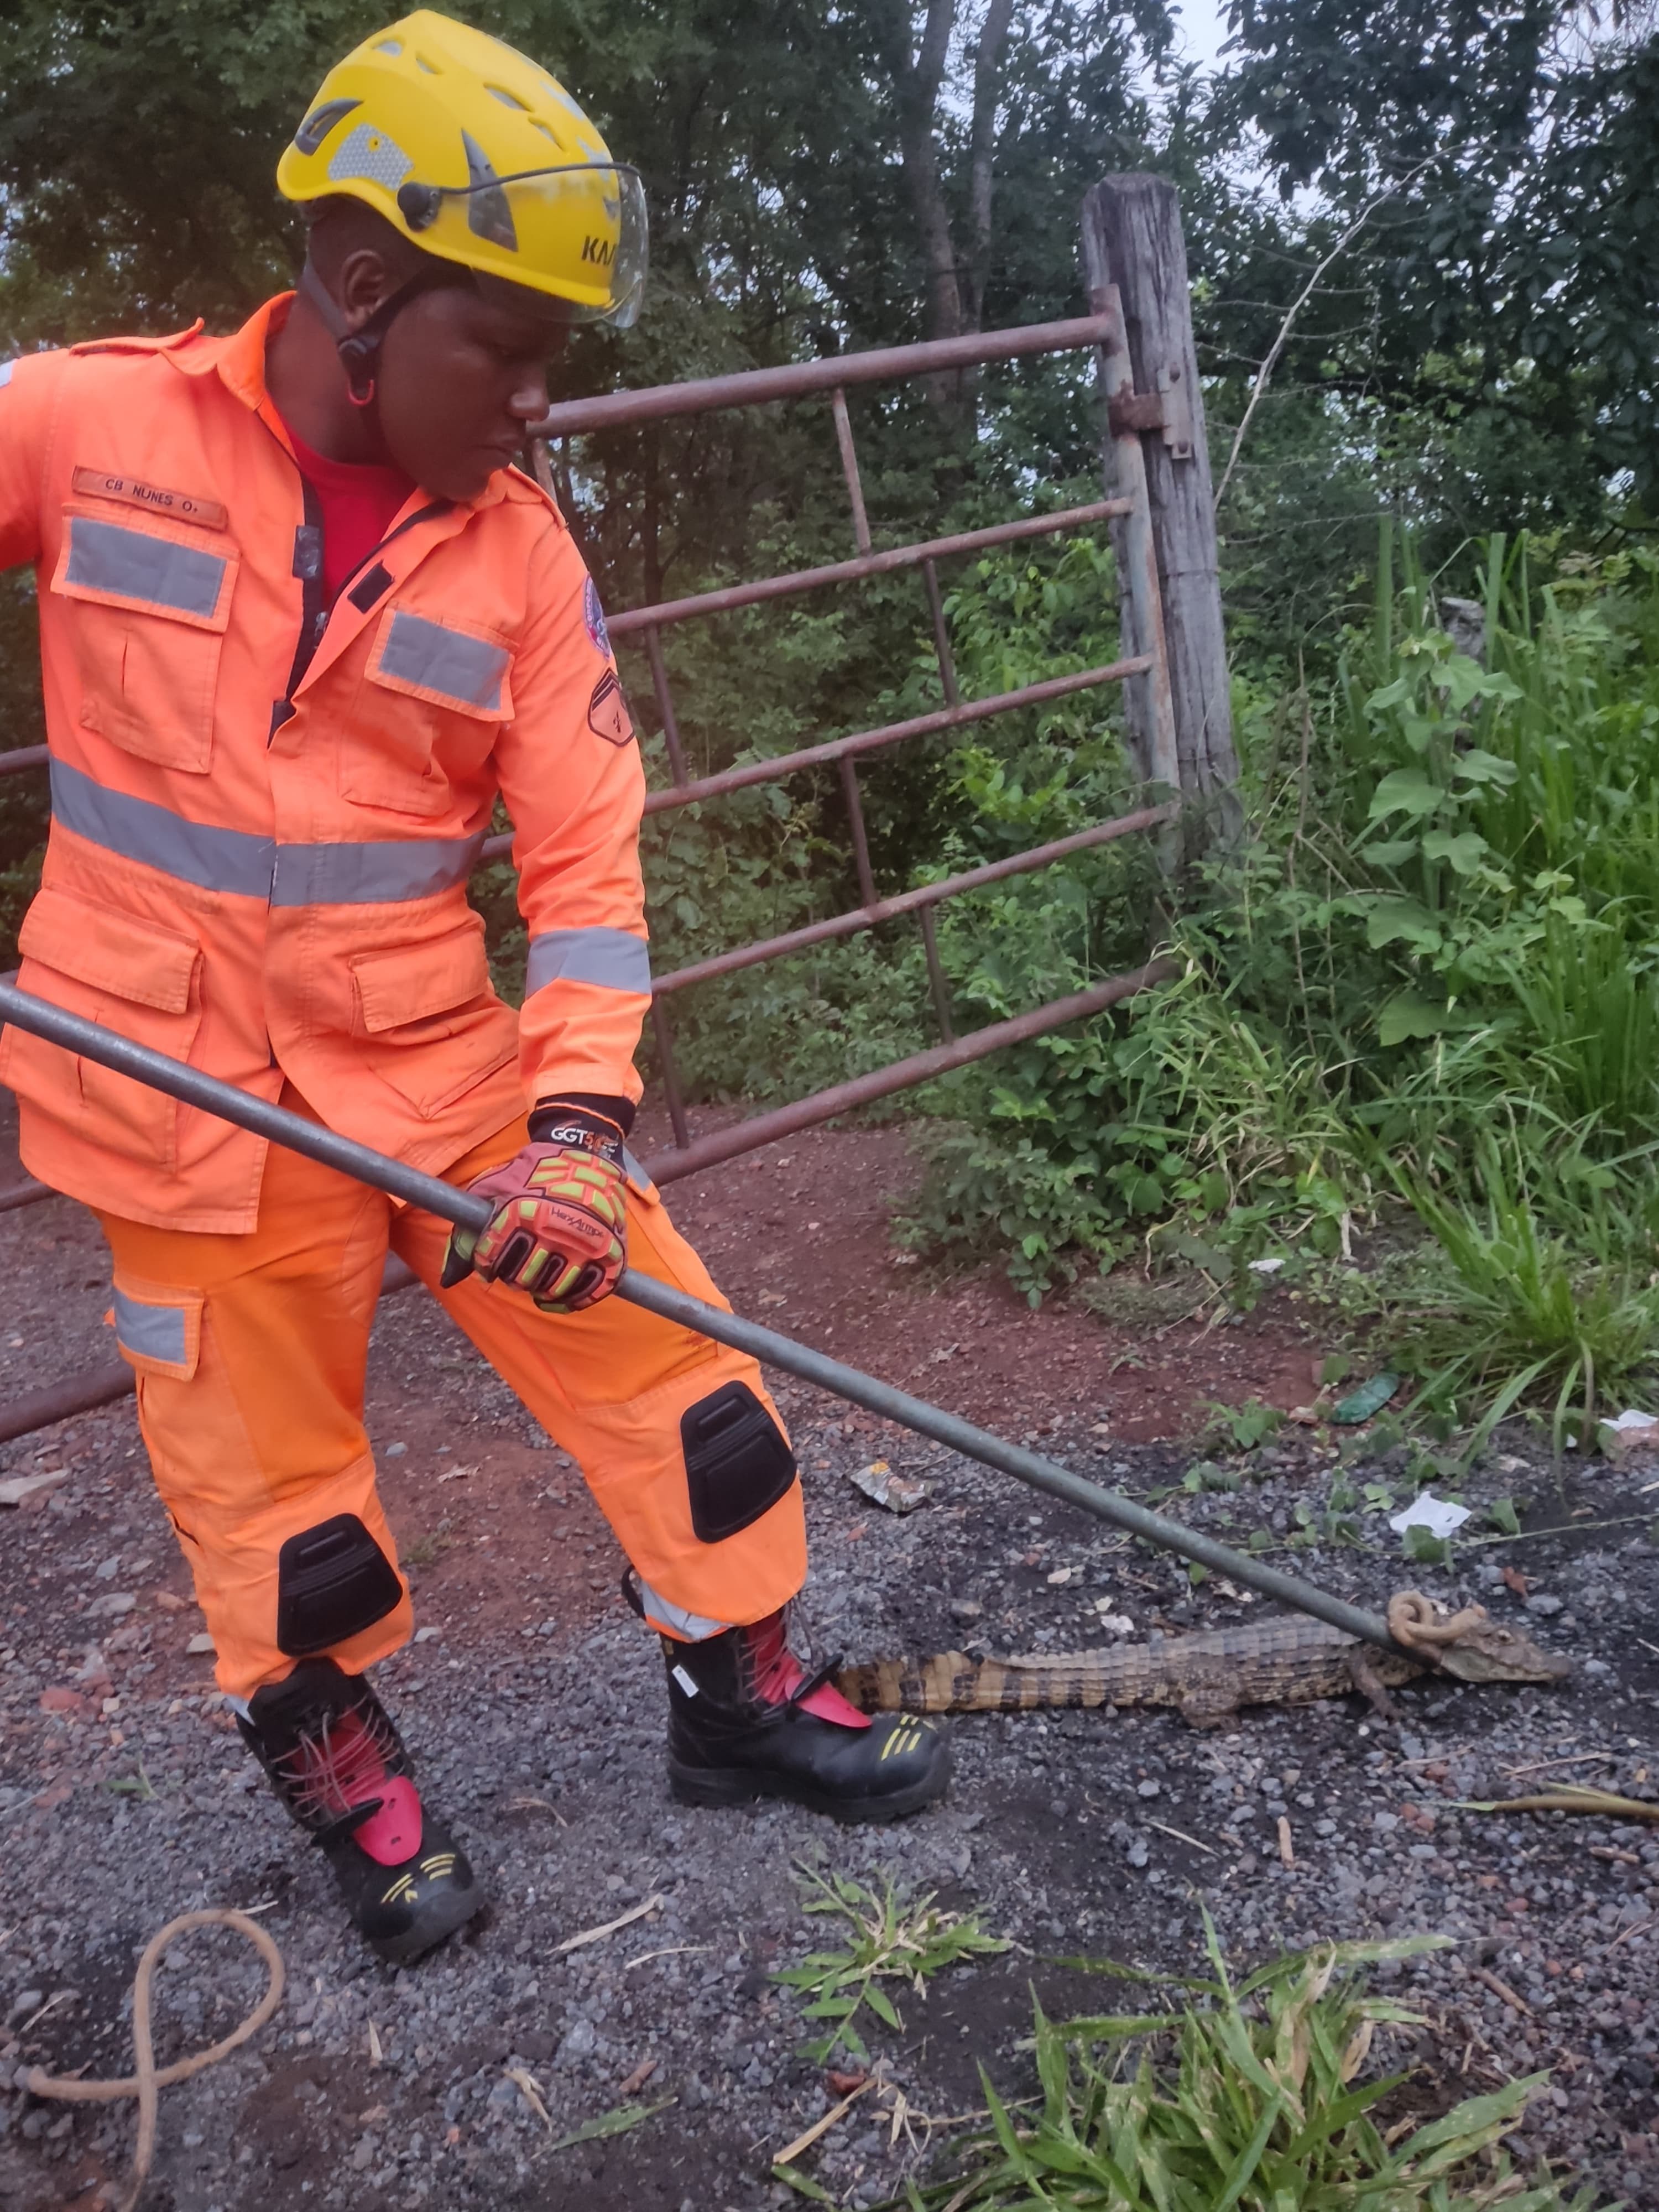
1203,26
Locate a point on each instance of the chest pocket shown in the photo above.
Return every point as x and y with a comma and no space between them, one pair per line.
149,607
432,697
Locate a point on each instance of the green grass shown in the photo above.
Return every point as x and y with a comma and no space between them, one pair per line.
1421,998
893,1937
1277,2092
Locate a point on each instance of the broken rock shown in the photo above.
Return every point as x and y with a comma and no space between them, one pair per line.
20,1486
899,1493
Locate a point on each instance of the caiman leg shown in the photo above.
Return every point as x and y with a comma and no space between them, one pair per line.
1368,1683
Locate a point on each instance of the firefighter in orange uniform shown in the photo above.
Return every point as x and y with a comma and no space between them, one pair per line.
300,621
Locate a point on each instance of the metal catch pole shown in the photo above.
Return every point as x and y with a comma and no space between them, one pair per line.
195,1088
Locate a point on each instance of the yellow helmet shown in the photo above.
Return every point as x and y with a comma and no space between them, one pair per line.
477,155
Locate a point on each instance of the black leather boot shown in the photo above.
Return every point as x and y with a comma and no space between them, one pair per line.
746,1720
333,1756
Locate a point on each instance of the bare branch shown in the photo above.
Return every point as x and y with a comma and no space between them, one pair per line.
1264,374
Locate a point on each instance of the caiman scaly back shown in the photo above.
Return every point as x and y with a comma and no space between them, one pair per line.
1205,1677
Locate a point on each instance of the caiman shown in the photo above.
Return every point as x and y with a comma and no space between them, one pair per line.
1206,1678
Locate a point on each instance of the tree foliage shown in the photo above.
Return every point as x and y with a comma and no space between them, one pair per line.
1508,150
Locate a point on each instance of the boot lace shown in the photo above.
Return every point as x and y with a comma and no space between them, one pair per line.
778,1675
336,1766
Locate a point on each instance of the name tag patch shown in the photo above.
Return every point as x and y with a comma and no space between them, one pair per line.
607,711
133,491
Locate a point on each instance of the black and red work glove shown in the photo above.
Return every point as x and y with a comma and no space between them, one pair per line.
560,1227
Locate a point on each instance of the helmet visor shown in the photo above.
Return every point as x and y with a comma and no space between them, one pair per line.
578,233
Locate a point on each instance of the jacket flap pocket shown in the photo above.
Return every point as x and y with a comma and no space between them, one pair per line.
446,666
116,952
415,981
146,568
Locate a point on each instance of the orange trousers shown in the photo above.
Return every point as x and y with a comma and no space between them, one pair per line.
251,1353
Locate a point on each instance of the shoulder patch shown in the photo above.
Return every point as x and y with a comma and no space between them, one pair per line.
607,711
593,615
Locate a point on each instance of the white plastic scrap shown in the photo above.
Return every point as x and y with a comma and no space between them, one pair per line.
1266,1267
899,1493
1630,1432
1437,1515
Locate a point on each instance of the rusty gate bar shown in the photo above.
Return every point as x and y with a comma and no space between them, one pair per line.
759,1129
849,463
920,555
849,786
61,1401
936,982
671,1081
762,588
947,659
670,727
796,379
919,726
919,901
1143,626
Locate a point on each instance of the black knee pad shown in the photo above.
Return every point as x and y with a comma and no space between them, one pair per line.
737,1463
332,1581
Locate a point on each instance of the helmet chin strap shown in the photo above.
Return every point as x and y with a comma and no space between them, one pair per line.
359,348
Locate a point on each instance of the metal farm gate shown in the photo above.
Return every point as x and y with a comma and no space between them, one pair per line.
1167,413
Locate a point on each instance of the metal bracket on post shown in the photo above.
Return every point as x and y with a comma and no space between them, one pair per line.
1168,409
1177,423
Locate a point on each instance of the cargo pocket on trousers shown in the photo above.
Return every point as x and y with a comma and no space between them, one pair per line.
159,1329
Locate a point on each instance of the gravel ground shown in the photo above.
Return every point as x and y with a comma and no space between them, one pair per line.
533,1705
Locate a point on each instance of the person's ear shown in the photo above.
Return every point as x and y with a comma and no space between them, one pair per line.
363,282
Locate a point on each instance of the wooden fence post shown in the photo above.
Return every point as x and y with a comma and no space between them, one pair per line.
1132,240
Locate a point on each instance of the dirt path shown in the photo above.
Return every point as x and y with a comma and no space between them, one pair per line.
533,1705
801,1236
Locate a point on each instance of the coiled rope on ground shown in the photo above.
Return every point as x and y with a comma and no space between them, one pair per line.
147,2082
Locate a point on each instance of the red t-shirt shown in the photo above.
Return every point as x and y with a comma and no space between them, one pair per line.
359,501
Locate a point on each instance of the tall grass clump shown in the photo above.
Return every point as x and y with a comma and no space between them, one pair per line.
1424,989
1253,2095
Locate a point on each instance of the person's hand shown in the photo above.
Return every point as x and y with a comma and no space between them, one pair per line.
560,1226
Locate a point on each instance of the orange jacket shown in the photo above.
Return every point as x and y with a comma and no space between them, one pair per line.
258,860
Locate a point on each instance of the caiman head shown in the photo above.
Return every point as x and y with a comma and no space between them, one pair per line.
1489,1651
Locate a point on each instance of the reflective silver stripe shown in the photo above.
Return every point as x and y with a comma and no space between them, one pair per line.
153,1332
257,867
372,875
690,1627
131,565
6,369
216,859
615,959
468,670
